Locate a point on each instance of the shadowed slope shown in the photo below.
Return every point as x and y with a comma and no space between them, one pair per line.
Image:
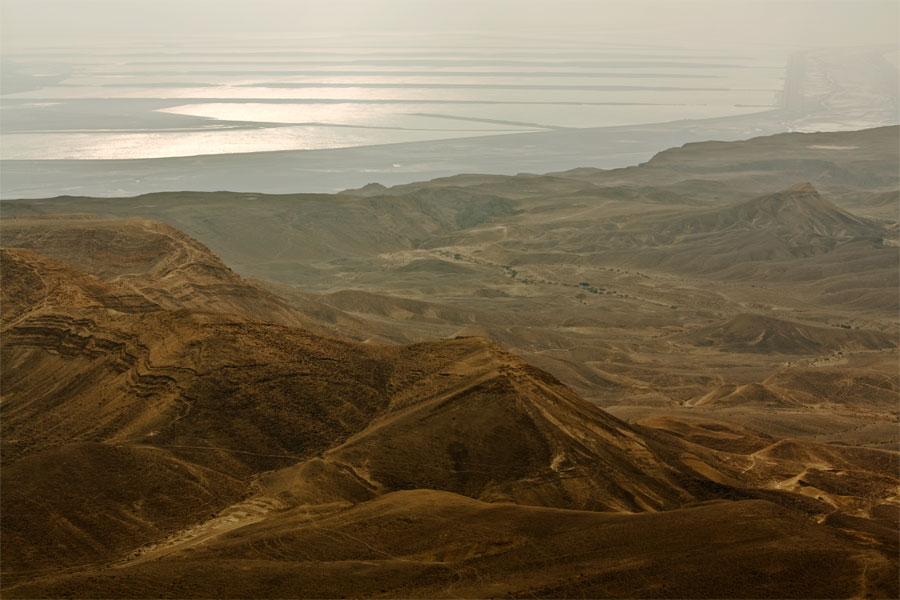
82,504
237,397
435,544
168,453
114,376
251,396
491,426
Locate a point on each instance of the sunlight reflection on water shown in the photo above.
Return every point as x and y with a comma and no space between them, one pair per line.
193,143
344,96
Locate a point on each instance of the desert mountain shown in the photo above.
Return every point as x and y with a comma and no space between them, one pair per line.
287,237
34,280
143,434
202,383
796,213
591,275
850,165
223,399
763,334
803,210
719,242
153,261
505,278
172,428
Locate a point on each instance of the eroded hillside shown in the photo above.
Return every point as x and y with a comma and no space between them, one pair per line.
673,380
159,445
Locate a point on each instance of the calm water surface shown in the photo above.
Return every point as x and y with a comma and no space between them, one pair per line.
152,102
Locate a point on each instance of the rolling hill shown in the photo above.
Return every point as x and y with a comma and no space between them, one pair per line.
669,380
769,335
151,448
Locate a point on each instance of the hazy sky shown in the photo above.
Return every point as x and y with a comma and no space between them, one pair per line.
688,22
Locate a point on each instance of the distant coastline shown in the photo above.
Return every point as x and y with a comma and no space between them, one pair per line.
813,99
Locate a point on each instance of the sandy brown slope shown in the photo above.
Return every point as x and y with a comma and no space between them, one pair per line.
748,332
150,259
232,423
83,503
198,393
858,483
685,242
499,429
611,339
119,375
250,396
278,229
435,544
34,281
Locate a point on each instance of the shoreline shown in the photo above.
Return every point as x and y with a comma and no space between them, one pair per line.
331,170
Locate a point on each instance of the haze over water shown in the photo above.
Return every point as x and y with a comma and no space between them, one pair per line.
141,80
330,92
